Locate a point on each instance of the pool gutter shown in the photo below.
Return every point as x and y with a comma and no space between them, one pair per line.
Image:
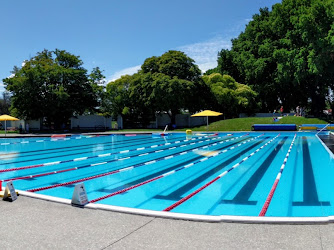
325,146
191,217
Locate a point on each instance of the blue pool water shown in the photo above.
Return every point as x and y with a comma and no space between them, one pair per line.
206,174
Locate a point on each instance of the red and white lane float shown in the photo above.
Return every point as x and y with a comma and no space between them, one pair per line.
215,179
278,177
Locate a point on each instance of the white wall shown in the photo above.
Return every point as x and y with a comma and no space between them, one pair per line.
181,120
91,121
33,124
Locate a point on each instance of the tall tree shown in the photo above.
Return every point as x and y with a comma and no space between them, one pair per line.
229,96
98,82
172,82
168,83
5,103
53,85
118,97
287,54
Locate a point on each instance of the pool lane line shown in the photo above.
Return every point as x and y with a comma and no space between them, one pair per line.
61,149
114,160
147,163
119,170
215,179
117,143
171,172
244,194
108,154
278,177
310,193
78,153
48,140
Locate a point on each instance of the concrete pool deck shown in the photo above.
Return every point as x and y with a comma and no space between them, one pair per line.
29,223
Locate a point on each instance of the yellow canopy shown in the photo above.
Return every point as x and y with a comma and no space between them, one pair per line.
207,113
7,118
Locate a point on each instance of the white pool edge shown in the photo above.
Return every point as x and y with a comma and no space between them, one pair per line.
190,217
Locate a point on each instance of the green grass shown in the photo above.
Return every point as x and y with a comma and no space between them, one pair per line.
245,124
9,132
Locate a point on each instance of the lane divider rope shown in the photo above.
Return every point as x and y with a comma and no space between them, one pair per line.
92,157
74,148
117,171
170,172
278,177
121,159
217,178
63,149
51,139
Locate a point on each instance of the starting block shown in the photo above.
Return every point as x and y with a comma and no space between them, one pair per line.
9,192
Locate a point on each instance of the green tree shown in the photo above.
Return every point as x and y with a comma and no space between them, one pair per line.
98,82
53,85
168,83
118,97
172,83
229,96
5,103
286,54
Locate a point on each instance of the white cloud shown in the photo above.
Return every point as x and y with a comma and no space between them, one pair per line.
126,71
205,53
2,88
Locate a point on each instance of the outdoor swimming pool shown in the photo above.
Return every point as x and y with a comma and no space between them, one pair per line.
243,174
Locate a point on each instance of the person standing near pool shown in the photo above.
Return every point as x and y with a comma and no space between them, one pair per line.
27,128
297,111
281,110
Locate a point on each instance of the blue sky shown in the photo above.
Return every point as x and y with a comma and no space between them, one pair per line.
118,36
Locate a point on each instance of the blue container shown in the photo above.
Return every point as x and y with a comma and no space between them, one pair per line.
274,127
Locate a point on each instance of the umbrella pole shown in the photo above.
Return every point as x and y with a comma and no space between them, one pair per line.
5,128
207,123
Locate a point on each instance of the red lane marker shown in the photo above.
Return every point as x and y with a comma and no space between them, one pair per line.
76,181
125,189
206,185
137,185
268,200
41,165
190,195
39,175
278,177
20,168
72,182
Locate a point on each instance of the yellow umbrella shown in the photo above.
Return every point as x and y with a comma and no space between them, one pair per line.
7,118
207,113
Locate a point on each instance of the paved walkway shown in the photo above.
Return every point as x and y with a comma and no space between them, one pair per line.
29,223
